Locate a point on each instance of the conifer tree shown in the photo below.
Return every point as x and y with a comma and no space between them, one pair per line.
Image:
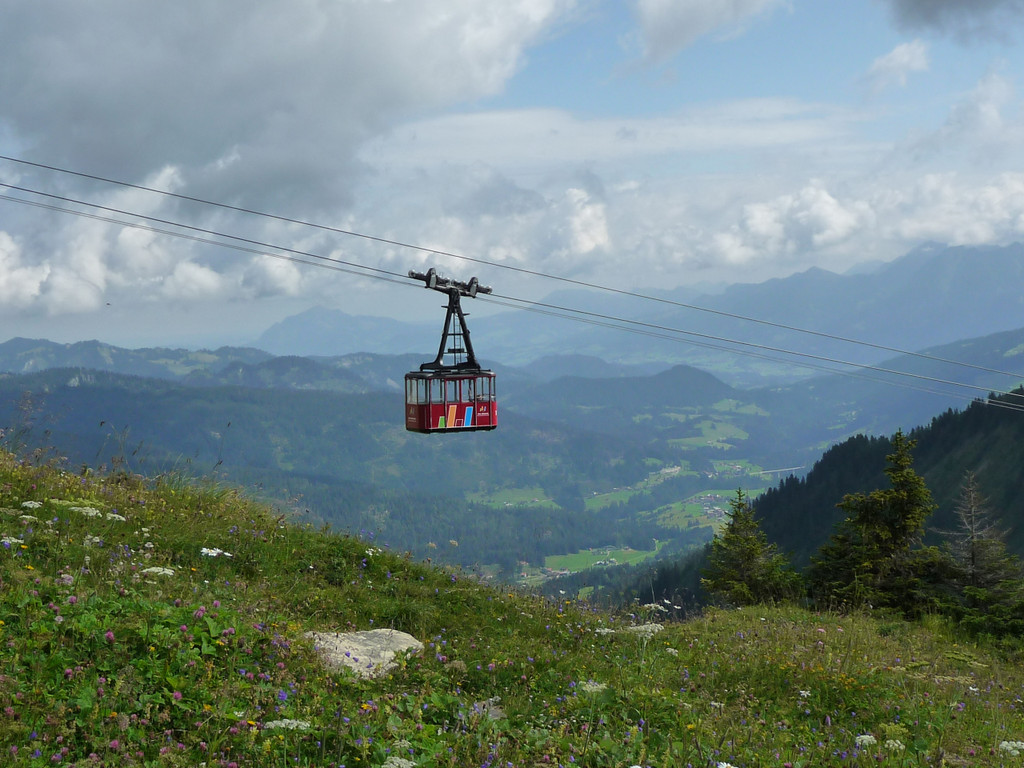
978,545
744,568
991,595
870,560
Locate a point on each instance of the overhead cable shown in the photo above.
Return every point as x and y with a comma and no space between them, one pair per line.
510,267
625,324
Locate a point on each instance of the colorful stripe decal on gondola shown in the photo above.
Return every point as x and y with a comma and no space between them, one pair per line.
451,420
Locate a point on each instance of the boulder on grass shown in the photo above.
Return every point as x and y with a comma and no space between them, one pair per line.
370,653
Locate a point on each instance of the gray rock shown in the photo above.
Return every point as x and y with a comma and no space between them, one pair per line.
369,654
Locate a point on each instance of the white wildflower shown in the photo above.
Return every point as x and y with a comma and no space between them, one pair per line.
10,541
288,724
591,687
804,694
1013,748
655,607
894,745
31,504
866,740
394,761
92,541
87,511
158,571
29,518
645,631
214,552
672,651
115,516
604,631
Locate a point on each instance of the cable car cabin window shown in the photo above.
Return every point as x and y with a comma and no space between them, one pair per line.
485,388
452,391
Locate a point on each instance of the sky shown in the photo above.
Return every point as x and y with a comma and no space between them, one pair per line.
639,144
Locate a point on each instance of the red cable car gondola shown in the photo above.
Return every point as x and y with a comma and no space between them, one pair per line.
457,396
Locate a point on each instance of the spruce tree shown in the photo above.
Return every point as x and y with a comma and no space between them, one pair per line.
870,560
744,568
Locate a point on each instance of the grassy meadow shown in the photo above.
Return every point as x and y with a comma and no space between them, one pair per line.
157,623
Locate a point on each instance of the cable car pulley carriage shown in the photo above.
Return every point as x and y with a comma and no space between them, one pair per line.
452,393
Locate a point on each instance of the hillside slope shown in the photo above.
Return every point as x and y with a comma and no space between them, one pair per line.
154,623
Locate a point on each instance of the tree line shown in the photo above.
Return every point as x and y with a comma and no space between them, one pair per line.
877,558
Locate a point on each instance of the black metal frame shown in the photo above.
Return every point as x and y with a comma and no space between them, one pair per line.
455,290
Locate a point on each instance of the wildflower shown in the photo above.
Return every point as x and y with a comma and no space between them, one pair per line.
865,740
288,724
1013,748
31,504
804,694
214,552
645,631
158,571
109,636
591,687
894,745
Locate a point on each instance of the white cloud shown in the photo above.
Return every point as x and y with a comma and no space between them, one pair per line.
792,226
262,106
189,281
588,222
270,276
977,125
951,209
263,103
19,284
668,26
894,67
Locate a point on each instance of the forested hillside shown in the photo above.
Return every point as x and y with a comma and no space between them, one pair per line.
983,439
984,442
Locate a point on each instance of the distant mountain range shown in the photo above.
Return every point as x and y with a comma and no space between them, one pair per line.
934,295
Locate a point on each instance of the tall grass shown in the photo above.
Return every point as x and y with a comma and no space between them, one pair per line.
162,624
